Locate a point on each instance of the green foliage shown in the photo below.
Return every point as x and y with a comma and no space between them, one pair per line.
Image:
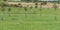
55,6
36,3
43,3
4,0
31,7
25,8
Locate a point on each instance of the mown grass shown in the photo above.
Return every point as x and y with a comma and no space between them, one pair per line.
16,21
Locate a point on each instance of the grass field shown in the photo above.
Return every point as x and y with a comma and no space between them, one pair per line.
21,20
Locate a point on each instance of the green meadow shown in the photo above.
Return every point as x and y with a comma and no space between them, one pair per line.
32,19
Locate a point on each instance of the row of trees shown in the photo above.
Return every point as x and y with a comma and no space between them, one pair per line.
34,0
21,0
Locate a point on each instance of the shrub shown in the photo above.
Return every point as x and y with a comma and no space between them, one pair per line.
19,3
43,3
36,3
4,4
31,7
36,7
55,6
9,9
15,5
25,8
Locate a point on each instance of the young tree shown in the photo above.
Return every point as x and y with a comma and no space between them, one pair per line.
31,7
4,4
55,8
20,5
3,9
9,10
16,5
25,8
3,12
40,9
43,3
36,5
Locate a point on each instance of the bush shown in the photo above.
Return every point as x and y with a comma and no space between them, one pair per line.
19,3
9,9
20,6
25,8
2,9
36,6
55,6
36,3
43,3
11,5
31,7
15,5
4,4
